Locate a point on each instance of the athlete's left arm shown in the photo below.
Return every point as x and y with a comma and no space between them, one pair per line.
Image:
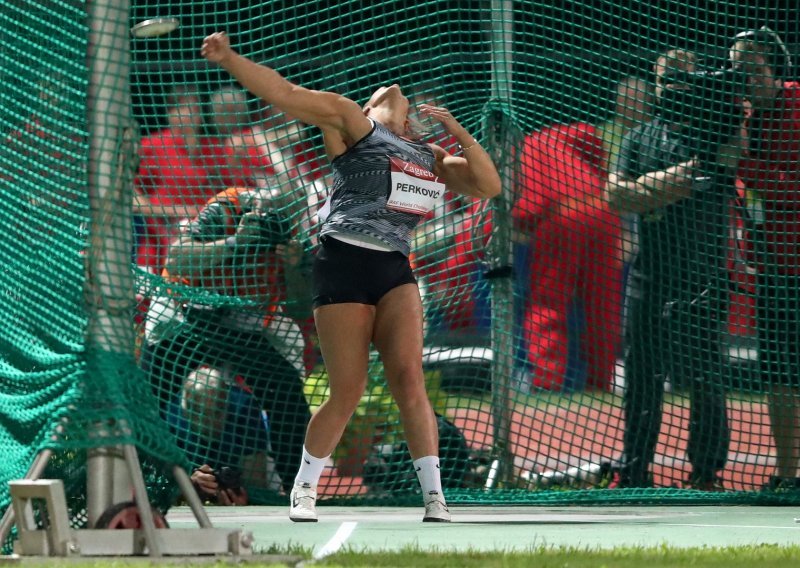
474,175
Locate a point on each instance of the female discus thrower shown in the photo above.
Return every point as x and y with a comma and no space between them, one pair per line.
384,181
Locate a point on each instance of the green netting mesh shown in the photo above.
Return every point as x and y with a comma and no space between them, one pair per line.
62,390
552,320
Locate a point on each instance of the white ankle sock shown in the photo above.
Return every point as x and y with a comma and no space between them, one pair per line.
310,469
430,479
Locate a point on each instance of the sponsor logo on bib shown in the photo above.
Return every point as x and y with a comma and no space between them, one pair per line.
414,189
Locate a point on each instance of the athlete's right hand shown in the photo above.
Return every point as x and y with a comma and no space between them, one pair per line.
216,47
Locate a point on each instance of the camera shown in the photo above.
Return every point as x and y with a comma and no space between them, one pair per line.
275,228
228,478
709,103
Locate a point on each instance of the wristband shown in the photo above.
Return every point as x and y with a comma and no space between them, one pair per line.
471,146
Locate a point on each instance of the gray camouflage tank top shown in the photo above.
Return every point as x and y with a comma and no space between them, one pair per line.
356,207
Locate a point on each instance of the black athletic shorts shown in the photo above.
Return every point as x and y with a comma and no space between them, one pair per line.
778,314
345,273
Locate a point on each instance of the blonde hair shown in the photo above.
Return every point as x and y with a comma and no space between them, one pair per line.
416,130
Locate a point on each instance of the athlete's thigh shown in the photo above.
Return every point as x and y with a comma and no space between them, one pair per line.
398,330
344,332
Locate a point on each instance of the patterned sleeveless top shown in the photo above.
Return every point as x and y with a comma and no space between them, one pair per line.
357,206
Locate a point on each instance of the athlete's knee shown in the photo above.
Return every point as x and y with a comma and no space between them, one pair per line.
409,391
345,399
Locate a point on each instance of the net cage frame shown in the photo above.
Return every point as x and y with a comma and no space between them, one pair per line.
109,277
114,471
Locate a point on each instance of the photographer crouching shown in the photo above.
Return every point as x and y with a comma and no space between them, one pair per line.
238,284
677,173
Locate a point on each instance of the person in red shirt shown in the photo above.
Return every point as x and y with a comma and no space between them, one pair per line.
571,276
235,158
771,171
172,182
456,291
575,254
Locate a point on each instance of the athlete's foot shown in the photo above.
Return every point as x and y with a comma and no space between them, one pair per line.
303,503
436,510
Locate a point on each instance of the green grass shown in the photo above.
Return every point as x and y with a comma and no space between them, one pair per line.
761,556
660,557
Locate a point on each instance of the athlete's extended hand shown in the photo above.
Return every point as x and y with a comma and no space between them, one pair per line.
442,116
216,47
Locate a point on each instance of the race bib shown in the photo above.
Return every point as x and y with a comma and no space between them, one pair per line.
414,189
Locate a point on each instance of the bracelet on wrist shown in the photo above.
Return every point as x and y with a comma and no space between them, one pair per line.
471,146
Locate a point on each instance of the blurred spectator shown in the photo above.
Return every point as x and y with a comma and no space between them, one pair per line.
455,291
568,251
173,180
679,278
236,159
248,282
633,106
266,149
771,174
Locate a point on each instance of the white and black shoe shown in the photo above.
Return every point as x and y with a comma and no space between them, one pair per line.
436,510
303,503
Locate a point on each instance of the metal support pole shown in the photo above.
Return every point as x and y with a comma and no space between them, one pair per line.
142,501
110,479
191,496
34,472
499,249
109,281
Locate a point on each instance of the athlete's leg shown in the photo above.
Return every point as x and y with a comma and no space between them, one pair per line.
398,338
344,332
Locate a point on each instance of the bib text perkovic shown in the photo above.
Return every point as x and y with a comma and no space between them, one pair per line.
414,189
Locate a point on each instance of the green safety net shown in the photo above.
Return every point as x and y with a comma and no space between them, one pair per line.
556,328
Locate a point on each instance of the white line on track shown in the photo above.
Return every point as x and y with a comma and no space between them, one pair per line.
338,540
710,526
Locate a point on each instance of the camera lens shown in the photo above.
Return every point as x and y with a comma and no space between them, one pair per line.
228,478
275,228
